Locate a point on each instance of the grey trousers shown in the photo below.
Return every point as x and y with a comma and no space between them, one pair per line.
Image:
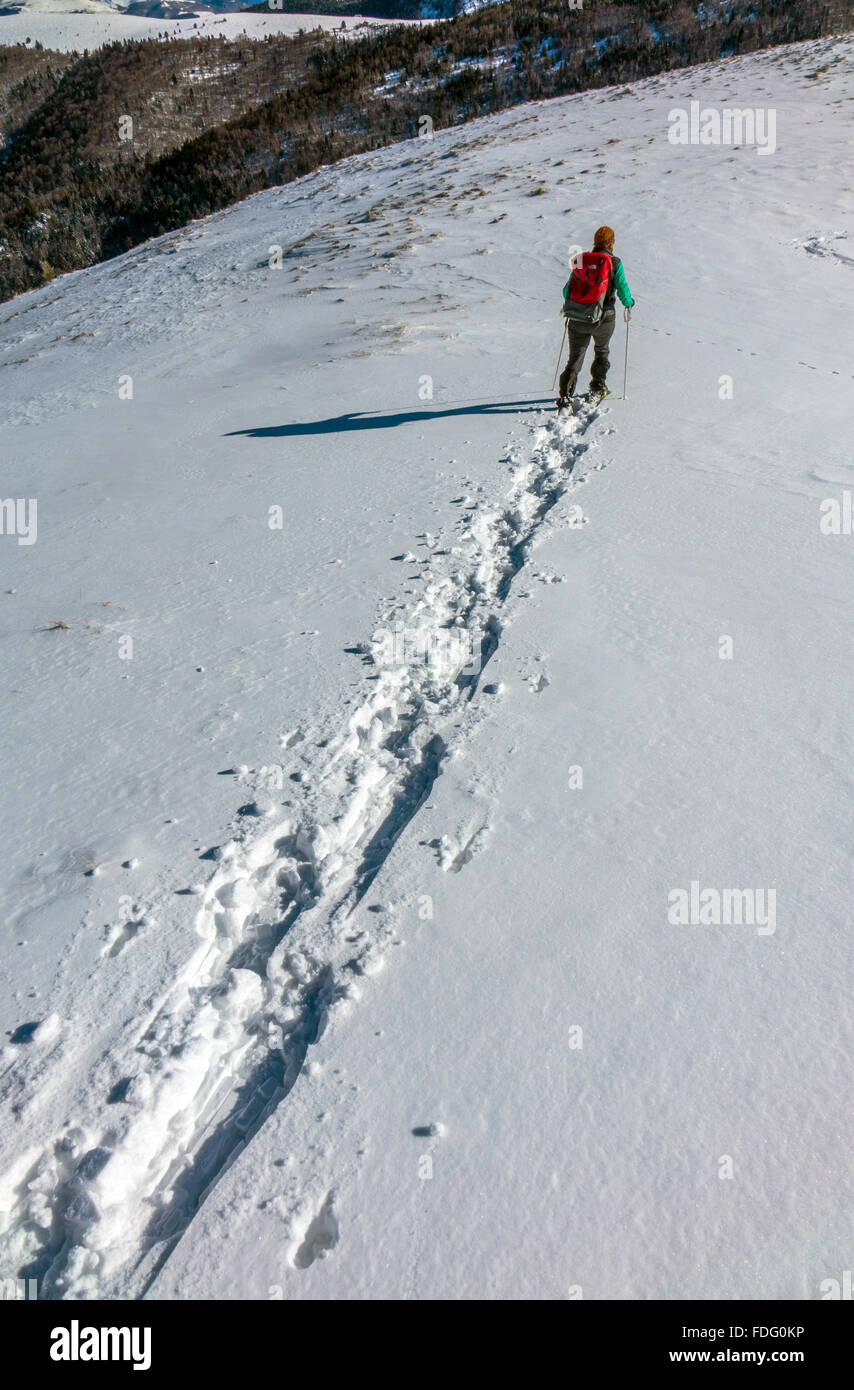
579,340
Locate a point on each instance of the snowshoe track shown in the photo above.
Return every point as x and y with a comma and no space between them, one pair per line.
96,1211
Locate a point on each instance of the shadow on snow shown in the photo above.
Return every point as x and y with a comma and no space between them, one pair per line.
368,420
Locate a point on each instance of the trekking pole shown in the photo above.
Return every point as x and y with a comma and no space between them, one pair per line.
627,315
559,355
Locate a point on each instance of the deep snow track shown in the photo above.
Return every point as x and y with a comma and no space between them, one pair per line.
98,1210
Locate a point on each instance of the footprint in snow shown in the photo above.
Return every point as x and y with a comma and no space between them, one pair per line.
120,935
320,1238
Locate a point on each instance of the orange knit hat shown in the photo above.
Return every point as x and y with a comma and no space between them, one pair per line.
603,239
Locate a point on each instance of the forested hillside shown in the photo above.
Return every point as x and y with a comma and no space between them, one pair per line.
109,148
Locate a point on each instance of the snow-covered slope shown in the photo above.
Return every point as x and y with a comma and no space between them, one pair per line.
63,7
90,24
332,971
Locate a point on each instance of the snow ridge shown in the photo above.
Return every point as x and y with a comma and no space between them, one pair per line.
98,1211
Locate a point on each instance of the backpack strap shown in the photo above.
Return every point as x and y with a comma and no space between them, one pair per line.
610,296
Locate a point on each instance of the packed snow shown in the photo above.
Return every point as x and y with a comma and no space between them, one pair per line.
427,818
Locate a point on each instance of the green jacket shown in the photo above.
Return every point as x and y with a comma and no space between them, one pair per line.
618,283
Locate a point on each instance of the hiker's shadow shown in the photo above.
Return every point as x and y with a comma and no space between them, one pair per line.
369,420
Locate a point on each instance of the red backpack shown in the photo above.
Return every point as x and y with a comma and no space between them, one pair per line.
588,285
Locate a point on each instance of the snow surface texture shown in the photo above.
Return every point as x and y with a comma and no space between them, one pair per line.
93,24
236,793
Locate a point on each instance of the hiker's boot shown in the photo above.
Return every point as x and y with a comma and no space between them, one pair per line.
566,385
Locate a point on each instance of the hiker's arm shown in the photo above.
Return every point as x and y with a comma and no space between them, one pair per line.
623,287
566,289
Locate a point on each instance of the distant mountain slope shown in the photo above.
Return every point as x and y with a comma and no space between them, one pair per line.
392,9
403,9
210,122
114,6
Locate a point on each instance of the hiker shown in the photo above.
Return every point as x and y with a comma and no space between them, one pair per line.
588,303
